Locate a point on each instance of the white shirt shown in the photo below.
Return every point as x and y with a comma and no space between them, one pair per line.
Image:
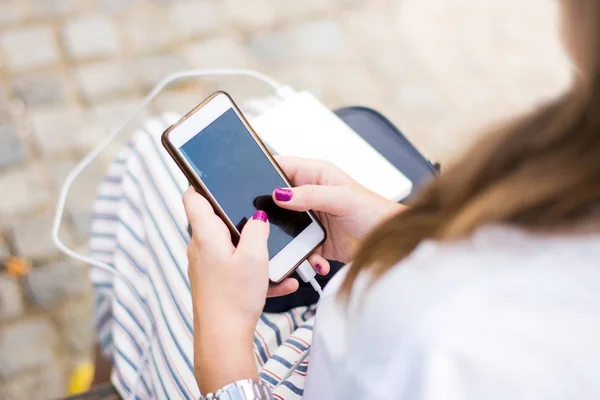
501,315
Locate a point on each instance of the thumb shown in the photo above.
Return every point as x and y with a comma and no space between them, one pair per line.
334,200
254,237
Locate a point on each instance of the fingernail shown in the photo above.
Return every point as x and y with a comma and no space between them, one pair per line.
319,268
260,214
283,194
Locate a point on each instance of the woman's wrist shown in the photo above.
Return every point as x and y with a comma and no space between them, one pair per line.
222,356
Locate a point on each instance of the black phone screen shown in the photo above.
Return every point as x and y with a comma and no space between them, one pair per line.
241,178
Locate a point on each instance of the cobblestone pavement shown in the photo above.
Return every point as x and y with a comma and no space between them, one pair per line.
70,69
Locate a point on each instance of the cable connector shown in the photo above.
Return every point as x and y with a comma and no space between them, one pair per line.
308,274
306,271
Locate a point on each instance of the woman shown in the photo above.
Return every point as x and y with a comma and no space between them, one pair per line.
487,287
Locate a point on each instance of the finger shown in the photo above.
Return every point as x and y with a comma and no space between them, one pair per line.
253,240
320,264
287,286
197,209
206,225
333,200
302,171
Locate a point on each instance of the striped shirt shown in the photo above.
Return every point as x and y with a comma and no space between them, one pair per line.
140,229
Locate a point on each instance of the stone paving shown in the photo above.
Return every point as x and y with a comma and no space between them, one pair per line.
71,69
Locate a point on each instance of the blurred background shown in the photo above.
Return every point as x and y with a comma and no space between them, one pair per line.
441,70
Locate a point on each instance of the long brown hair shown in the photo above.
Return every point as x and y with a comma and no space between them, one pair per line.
540,173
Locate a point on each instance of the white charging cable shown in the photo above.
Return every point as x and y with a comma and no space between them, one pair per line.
308,275
282,91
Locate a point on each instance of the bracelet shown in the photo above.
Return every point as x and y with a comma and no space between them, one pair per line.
247,389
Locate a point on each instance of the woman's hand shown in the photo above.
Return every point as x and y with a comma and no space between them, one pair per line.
347,210
229,287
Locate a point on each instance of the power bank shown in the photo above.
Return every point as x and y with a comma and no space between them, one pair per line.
302,126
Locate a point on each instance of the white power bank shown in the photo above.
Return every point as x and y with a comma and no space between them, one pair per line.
302,126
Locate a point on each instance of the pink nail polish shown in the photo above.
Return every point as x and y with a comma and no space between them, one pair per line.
319,268
260,214
283,194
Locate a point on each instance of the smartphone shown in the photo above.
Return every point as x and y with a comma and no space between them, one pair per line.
225,161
